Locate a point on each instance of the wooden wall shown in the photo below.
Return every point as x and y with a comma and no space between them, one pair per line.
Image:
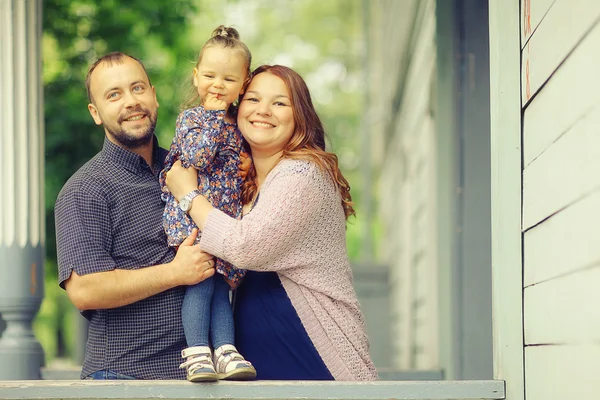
561,197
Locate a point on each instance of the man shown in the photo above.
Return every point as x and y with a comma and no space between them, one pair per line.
113,257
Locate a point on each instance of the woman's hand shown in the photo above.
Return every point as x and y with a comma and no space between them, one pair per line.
181,181
245,164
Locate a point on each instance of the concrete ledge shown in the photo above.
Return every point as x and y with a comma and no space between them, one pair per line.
388,374
408,375
255,390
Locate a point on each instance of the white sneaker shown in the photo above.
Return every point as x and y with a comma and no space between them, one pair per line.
231,365
199,364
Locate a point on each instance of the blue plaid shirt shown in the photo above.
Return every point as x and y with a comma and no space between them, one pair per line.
109,215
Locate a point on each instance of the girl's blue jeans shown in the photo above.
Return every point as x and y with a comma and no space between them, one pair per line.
206,313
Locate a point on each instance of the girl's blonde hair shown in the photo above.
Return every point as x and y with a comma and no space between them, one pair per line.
225,37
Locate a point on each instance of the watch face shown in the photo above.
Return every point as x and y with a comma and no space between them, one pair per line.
184,204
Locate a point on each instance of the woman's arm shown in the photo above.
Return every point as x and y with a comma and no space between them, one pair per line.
290,201
277,231
182,181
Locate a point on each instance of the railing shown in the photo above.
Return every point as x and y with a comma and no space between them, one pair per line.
256,390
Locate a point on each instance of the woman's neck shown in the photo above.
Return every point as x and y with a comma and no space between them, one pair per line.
264,163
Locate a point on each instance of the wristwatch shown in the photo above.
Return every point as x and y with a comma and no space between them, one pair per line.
186,201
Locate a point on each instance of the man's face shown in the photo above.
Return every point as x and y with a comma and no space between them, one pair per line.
124,102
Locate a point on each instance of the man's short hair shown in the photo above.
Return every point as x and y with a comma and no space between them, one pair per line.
110,58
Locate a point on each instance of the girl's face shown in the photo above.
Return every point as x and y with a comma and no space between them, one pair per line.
221,73
266,116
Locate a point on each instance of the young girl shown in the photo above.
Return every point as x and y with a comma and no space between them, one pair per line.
207,138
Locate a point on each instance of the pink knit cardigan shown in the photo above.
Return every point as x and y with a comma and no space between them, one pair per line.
298,230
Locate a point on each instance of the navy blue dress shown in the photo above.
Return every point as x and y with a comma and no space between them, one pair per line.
269,334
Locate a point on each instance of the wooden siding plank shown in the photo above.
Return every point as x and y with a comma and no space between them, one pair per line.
506,170
562,372
564,173
565,243
573,90
562,29
564,310
532,13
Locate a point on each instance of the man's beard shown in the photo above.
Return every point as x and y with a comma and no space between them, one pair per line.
133,141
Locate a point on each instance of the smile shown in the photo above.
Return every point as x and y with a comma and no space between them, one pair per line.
259,124
135,118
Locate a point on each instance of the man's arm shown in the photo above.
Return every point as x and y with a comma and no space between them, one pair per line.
118,287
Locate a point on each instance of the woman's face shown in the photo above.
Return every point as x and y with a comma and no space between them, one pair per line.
265,115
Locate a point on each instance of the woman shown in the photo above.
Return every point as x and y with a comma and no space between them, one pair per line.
297,316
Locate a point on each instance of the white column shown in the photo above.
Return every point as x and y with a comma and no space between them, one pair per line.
506,195
21,187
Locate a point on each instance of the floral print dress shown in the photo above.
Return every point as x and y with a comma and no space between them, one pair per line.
205,141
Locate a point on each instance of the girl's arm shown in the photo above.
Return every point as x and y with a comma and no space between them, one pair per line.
199,133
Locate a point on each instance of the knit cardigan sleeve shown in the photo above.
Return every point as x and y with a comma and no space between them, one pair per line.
264,239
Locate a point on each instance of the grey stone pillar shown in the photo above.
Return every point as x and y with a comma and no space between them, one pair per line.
21,187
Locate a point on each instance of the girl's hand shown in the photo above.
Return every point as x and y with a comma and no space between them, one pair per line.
231,284
245,164
212,102
181,181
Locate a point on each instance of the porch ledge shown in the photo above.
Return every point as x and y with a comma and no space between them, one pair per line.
255,390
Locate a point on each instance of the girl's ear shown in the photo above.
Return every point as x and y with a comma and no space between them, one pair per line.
195,77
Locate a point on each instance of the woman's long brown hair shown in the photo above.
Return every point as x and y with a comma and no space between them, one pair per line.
308,139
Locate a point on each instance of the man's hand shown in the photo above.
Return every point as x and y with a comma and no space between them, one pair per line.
245,164
213,102
192,265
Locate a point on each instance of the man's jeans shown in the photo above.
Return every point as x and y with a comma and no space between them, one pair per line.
105,374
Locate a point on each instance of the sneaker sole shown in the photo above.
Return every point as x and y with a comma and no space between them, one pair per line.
207,377
239,374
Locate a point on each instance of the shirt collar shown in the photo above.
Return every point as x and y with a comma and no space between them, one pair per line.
132,161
